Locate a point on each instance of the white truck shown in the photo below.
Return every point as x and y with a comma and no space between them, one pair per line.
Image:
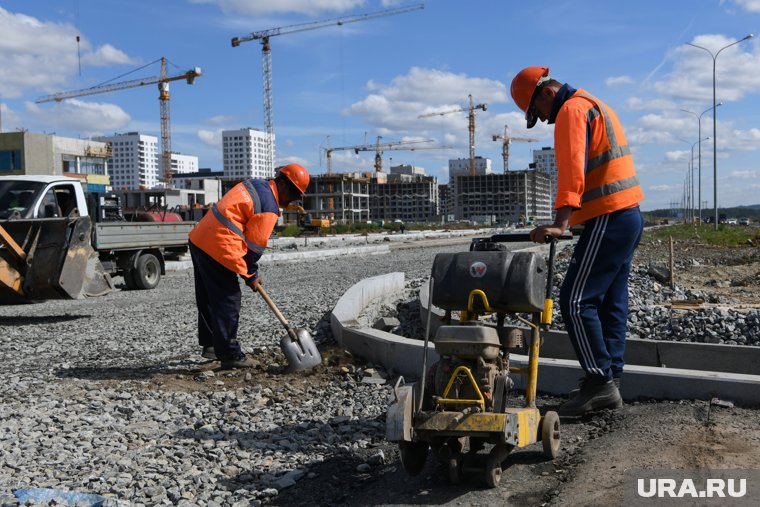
54,246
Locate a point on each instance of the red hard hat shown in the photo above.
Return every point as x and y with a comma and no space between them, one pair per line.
525,83
297,174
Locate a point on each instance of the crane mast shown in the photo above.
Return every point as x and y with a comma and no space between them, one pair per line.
505,145
266,54
163,81
470,126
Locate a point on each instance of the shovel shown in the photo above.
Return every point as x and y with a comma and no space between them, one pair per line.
298,345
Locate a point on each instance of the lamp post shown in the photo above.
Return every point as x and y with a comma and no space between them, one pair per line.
715,121
690,175
699,152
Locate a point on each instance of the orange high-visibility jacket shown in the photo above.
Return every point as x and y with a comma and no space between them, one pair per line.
595,171
236,230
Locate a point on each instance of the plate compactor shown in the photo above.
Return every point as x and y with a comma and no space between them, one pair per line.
463,402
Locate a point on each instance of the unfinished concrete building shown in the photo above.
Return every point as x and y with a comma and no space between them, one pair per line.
342,197
501,198
405,194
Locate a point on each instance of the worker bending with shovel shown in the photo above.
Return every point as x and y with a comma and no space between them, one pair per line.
226,244
597,186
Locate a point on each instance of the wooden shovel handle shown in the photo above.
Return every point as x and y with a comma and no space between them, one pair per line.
274,308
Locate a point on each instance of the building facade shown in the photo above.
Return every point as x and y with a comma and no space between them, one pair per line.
516,196
545,160
246,154
405,194
42,154
341,197
135,160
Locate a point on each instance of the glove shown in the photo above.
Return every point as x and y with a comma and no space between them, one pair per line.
254,282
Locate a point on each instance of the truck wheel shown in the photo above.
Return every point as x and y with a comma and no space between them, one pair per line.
147,273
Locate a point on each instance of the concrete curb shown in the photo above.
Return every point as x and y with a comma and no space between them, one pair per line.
647,377
277,257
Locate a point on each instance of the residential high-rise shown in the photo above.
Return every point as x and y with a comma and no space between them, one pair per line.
245,154
405,194
134,161
546,161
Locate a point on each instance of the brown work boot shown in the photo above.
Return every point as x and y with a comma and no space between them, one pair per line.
208,353
241,361
594,394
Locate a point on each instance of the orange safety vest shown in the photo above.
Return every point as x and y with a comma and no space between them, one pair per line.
595,168
238,225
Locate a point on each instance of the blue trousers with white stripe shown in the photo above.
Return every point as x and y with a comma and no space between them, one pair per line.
594,295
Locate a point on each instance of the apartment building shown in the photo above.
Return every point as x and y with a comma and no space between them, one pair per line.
135,160
246,154
405,194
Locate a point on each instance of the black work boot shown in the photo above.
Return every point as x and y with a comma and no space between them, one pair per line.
594,394
574,392
208,353
241,361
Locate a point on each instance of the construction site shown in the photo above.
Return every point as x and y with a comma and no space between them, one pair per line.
421,361
109,397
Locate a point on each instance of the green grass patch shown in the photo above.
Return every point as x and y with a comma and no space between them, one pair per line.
725,235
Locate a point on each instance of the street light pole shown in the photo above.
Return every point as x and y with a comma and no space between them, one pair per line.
715,121
699,151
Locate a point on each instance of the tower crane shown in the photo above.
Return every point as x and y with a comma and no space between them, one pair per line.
266,55
506,140
163,87
471,127
378,148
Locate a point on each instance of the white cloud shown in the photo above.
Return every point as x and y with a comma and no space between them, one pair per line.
392,109
263,7
211,137
107,55
677,156
80,116
618,80
639,104
748,5
221,119
662,188
691,76
744,175
43,55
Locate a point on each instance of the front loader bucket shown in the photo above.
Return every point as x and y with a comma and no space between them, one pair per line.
49,259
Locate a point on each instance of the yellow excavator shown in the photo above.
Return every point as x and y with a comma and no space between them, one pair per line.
295,214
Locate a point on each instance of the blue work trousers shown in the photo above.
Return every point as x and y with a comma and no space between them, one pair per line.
217,295
594,295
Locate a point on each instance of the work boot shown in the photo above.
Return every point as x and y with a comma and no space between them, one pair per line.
574,392
241,361
594,394
208,353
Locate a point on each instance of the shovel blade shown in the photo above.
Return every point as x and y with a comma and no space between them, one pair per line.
301,353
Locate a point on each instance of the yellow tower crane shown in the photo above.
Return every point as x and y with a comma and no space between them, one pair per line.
266,55
163,87
378,148
506,140
471,126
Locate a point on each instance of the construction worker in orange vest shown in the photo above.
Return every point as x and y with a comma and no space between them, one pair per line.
597,186
226,244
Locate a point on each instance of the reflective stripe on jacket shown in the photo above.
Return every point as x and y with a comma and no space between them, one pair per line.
236,230
595,171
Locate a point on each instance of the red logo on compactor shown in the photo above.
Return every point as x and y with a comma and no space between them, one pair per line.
478,270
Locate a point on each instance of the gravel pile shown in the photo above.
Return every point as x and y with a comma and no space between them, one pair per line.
110,395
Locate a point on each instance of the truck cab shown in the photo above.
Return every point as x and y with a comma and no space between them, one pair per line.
29,197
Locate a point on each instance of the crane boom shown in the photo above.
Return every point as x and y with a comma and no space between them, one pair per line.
302,27
378,148
266,55
163,87
505,145
471,125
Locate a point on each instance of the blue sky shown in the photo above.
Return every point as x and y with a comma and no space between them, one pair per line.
345,85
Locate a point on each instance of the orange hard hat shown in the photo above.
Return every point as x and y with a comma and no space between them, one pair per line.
525,83
297,175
